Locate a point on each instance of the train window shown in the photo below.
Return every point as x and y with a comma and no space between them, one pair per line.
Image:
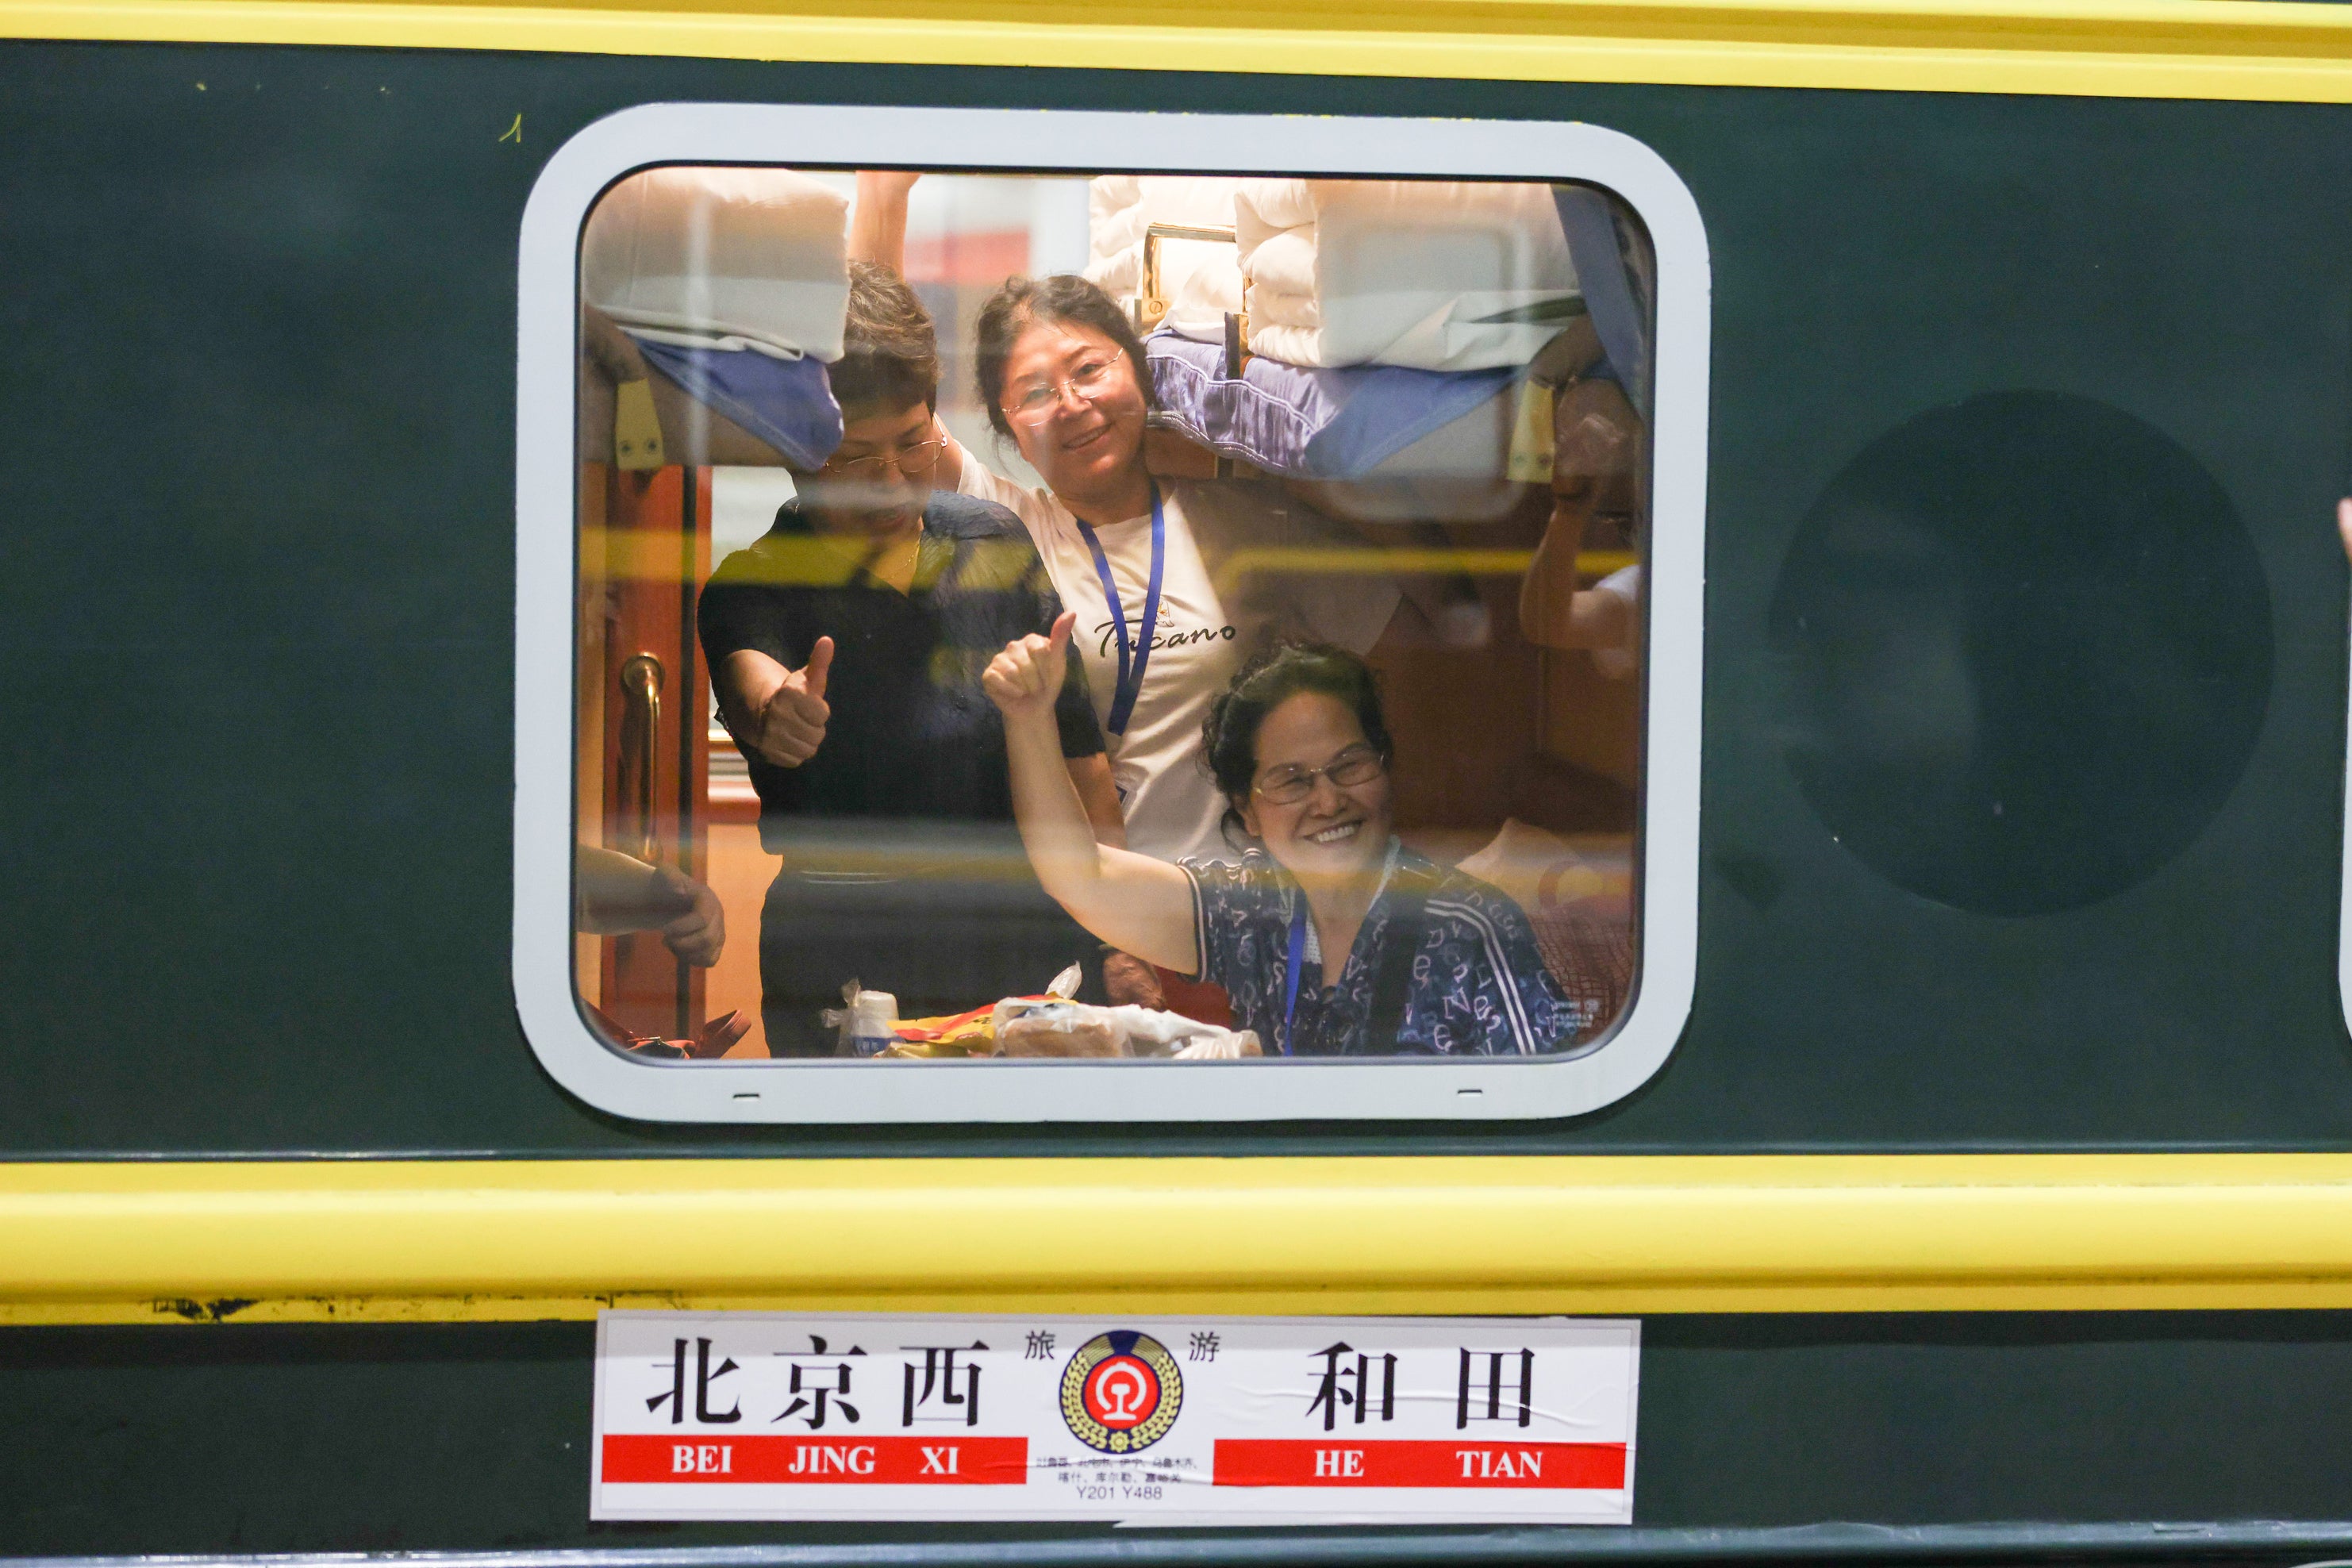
1208,632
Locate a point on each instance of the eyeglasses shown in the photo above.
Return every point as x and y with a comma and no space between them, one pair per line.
1042,400
912,461
1289,786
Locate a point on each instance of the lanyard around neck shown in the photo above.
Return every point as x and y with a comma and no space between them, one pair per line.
1131,657
1298,958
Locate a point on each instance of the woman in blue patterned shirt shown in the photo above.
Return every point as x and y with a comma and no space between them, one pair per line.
1434,962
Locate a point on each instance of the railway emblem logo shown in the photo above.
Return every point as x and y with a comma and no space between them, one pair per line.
1121,1392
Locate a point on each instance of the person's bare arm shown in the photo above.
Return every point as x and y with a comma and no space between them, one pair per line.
878,233
613,352
1596,464
1594,618
1135,903
877,219
1554,611
620,893
608,359
777,712
1099,796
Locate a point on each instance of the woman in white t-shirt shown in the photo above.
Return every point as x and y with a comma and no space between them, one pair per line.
1168,604
1159,573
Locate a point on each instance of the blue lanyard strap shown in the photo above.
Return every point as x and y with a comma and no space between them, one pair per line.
1131,657
1297,959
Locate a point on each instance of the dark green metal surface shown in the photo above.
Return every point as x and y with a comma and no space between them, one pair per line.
259,569
285,1439
256,581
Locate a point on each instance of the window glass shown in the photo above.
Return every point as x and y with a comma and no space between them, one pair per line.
1109,618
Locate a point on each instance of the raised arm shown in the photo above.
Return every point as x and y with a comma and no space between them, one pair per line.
877,219
1133,902
1553,613
878,233
1596,463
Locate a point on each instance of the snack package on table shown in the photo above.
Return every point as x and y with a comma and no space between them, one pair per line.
969,1033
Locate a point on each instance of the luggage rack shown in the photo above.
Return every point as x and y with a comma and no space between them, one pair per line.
1148,308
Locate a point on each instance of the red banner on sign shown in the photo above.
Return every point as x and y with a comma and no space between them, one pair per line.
765,1460
1329,1462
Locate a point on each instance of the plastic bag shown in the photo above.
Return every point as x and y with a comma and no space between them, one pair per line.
1025,1027
1050,1025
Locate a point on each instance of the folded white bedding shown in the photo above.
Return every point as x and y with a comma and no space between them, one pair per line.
1199,279
1437,275
700,255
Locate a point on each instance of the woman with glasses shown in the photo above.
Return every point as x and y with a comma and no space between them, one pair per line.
1155,569
1332,939
845,647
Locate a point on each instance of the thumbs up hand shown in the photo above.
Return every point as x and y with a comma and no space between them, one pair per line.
790,724
1025,679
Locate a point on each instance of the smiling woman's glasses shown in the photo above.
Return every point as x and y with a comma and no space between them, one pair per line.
912,461
1289,786
1040,401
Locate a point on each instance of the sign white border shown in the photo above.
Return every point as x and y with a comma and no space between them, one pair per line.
1599,1404
1053,141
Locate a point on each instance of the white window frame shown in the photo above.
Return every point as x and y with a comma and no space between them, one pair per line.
1051,142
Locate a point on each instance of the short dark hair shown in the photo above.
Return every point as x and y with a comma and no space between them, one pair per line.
1065,297
1270,678
889,356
